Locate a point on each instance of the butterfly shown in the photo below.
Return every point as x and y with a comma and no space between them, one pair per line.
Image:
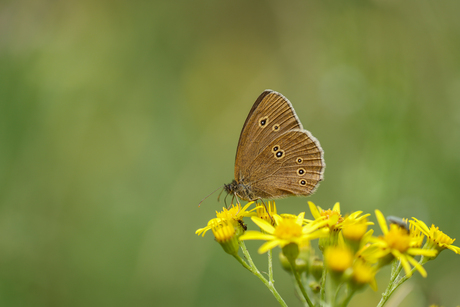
275,157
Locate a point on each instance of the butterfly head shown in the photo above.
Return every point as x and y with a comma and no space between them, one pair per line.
239,190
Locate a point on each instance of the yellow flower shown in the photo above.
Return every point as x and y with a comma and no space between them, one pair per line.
225,234
223,231
396,242
335,223
338,258
364,273
354,229
234,214
333,217
287,230
435,238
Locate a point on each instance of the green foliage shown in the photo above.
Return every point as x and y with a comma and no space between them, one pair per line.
116,118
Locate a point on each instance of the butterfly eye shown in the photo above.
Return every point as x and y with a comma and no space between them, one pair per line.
300,171
303,182
279,154
276,127
275,148
299,160
263,121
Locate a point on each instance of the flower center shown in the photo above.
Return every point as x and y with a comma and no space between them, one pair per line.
330,213
397,238
287,229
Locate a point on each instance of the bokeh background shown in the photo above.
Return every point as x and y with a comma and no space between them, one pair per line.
118,117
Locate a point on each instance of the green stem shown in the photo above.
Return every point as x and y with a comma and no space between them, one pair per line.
299,292
323,285
392,286
299,282
270,267
252,267
348,298
243,263
396,268
337,286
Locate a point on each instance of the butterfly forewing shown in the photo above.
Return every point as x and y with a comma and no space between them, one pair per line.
271,116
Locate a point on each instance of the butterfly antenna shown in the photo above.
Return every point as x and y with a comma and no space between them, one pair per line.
199,204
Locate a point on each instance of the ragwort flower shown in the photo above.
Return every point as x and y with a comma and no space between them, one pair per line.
287,230
436,239
234,215
396,243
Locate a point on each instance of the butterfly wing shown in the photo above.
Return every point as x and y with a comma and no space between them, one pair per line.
276,157
270,116
292,164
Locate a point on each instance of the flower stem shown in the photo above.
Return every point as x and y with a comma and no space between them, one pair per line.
393,284
270,267
323,285
252,267
299,281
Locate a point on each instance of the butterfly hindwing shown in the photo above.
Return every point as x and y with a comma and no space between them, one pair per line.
291,164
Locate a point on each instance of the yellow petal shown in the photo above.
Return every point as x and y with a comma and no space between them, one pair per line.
417,266
405,264
268,245
421,251
382,222
277,218
256,235
264,225
314,210
300,218
336,207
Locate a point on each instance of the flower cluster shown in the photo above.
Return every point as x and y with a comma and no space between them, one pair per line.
351,254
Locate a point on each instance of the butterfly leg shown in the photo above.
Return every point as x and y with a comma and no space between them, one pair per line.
225,201
268,212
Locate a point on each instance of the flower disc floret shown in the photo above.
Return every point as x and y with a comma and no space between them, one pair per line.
435,237
286,230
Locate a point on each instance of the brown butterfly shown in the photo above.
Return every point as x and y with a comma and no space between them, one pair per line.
275,157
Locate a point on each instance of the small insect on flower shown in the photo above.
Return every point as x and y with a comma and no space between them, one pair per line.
234,214
398,221
397,243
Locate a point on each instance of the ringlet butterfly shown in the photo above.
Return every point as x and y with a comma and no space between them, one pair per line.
275,157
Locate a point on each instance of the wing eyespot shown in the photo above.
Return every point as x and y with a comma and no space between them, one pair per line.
279,154
301,172
275,148
299,160
303,182
276,127
263,121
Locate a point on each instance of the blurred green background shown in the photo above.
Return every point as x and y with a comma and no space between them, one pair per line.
117,118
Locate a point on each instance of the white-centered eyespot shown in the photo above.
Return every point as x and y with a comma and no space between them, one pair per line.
263,121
